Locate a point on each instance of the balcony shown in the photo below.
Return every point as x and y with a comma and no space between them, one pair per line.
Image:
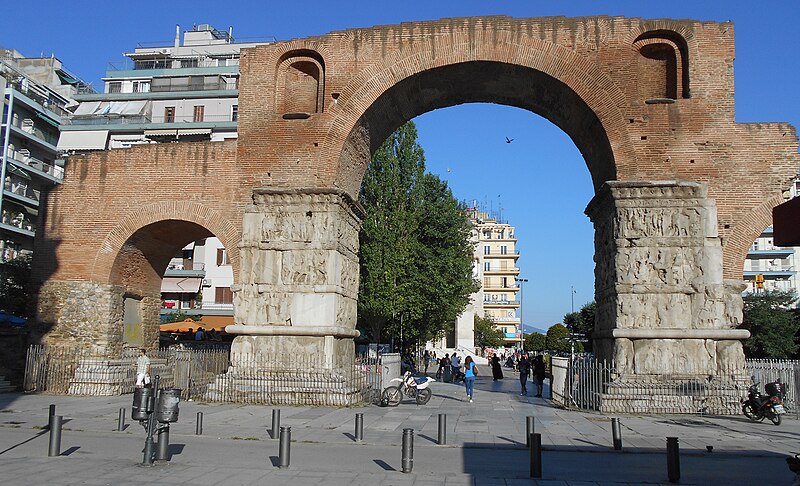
28,130
49,171
18,222
772,253
20,191
503,270
774,274
501,303
179,270
108,120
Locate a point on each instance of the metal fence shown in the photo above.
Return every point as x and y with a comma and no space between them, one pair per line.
210,375
589,384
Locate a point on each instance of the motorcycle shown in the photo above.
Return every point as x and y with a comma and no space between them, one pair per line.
770,405
416,388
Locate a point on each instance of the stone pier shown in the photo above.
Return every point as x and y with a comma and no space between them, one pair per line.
665,314
295,305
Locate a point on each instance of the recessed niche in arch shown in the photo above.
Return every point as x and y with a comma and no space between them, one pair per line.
663,65
301,84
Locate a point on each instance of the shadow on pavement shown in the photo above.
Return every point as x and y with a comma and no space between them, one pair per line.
70,450
384,465
41,433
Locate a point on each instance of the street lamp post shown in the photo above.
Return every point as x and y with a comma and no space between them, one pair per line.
521,281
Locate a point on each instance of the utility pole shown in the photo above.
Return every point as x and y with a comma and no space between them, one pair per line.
521,281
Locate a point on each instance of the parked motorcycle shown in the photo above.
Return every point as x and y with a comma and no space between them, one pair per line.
416,388
770,405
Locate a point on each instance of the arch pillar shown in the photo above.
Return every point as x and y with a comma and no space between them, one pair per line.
664,311
296,299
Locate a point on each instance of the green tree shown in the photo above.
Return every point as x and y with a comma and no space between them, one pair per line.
772,325
558,340
535,341
15,286
486,333
416,260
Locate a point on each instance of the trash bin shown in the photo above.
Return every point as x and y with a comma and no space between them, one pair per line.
447,374
168,405
142,403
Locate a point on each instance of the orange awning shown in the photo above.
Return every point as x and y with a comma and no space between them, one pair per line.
217,323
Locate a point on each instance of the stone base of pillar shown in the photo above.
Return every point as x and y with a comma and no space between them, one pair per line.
297,369
642,394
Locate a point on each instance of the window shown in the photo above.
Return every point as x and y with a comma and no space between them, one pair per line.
222,257
115,87
169,114
223,295
141,86
235,113
487,266
199,112
504,250
487,250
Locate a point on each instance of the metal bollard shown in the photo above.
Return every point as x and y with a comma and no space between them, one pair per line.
673,460
283,447
536,455
121,420
529,429
276,423
51,414
198,430
162,451
408,450
359,433
616,434
442,429
55,436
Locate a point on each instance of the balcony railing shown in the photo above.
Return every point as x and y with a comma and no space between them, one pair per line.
108,120
500,302
18,220
26,125
48,168
22,189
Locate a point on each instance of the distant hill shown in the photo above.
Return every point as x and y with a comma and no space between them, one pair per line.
529,329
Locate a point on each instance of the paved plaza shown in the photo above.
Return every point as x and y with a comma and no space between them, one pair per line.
485,444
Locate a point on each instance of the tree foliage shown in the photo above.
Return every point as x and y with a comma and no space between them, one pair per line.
416,260
535,341
557,340
487,335
582,323
772,324
15,286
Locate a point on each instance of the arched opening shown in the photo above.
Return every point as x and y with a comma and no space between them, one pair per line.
476,82
301,83
663,67
167,267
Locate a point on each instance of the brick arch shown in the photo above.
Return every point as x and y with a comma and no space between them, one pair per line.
747,229
187,211
577,74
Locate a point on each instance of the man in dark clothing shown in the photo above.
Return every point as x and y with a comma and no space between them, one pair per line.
524,368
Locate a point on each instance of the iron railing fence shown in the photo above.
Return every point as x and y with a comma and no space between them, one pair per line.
590,384
209,374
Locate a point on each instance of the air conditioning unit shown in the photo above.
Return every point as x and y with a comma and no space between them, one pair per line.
206,282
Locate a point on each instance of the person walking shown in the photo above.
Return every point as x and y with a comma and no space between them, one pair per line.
470,371
538,373
427,359
455,364
497,371
524,368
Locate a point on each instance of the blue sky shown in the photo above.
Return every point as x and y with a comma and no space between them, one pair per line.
550,184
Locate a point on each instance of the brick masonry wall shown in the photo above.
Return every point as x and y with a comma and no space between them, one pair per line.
106,223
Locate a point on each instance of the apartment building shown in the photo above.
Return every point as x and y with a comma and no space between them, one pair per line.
771,267
497,257
37,93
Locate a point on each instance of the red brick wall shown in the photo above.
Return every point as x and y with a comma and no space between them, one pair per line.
589,80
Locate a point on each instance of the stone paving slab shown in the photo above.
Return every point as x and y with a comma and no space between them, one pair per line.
485,444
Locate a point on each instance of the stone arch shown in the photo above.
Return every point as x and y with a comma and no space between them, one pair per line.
300,87
747,229
191,215
360,126
663,65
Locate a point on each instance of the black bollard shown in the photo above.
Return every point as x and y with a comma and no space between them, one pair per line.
408,450
616,434
149,445
529,429
55,436
162,452
442,429
283,447
51,415
198,430
359,433
121,420
276,423
673,460
536,455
